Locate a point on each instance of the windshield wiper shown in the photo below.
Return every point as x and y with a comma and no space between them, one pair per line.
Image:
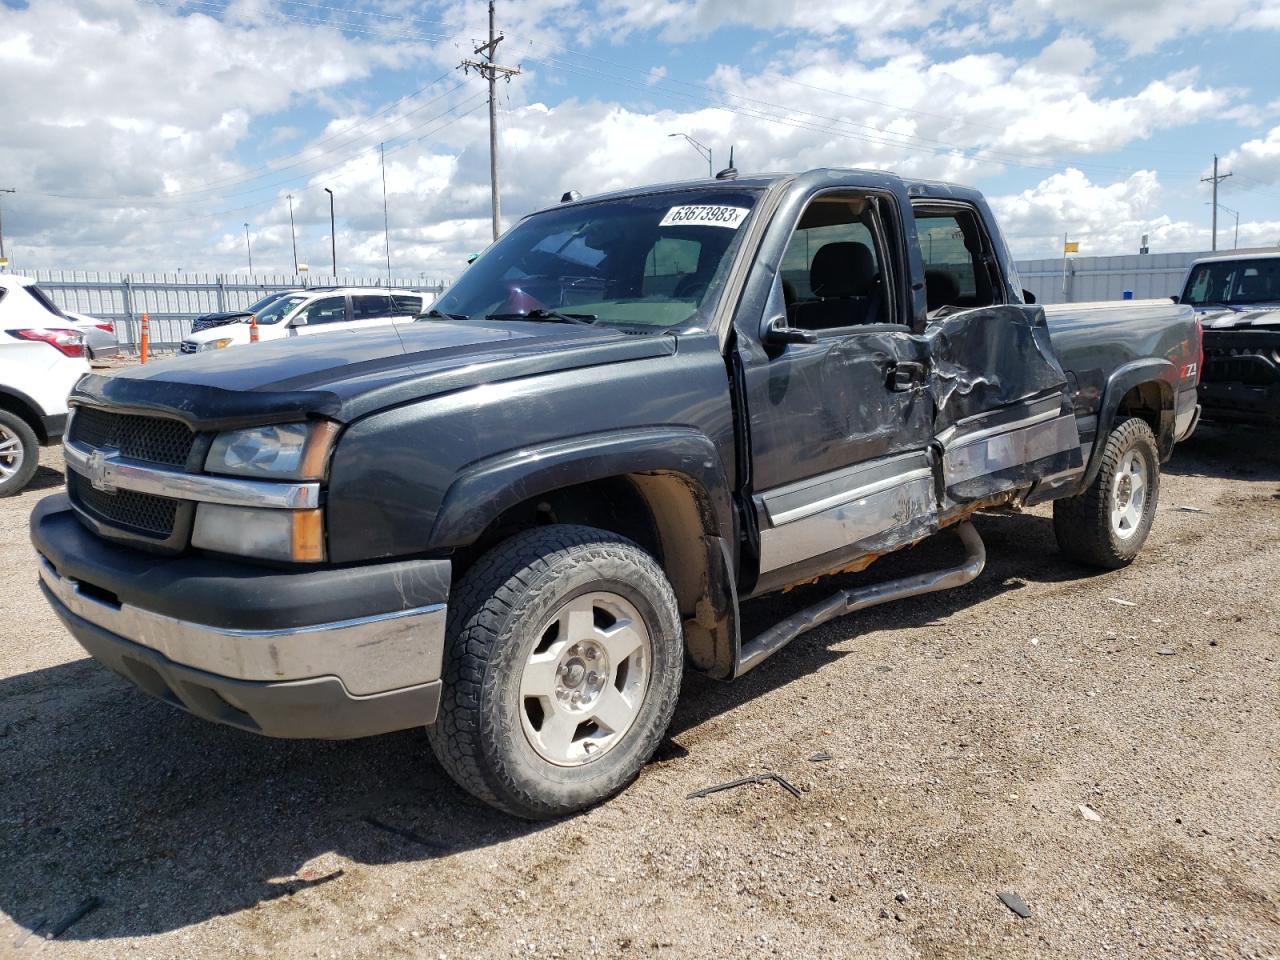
1217,303
540,314
435,314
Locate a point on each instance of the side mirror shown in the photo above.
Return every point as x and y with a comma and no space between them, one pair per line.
776,331
299,321
1028,296
1176,299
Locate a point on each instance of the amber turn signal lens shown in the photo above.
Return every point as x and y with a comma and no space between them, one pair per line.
308,536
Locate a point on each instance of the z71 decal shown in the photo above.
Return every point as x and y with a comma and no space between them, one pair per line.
704,216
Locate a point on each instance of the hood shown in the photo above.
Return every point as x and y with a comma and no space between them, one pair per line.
1250,317
346,374
223,316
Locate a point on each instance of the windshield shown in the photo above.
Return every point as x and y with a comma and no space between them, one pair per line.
265,301
1234,282
652,260
277,311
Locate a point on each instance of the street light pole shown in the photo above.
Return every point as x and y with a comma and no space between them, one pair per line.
702,149
248,247
333,237
2,254
293,233
1235,244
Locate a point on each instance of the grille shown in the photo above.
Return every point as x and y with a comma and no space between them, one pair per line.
151,439
141,512
188,347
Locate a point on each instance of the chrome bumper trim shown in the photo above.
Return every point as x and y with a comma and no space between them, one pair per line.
113,472
370,655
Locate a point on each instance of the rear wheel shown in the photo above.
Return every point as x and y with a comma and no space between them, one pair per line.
19,453
1107,525
561,671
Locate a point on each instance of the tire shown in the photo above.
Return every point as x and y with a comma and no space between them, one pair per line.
1091,528
19,453
527,624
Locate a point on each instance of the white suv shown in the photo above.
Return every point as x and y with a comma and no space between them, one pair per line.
41,358
323,310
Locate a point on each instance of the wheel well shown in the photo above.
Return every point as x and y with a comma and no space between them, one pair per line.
1151,401
668,516
21,408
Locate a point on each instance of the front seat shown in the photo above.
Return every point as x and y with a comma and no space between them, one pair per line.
941,288
843,278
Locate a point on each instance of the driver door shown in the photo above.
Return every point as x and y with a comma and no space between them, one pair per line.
840,417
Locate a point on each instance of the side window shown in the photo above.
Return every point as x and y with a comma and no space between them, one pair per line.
833,271
671,264
951,243
370,306
326,310
403,304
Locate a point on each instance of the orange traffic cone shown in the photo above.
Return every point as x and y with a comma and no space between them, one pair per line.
253,328
144,341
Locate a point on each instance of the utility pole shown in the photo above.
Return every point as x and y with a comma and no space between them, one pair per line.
2,253
333,237
491,70
249,248
1215,180
386,229
294,234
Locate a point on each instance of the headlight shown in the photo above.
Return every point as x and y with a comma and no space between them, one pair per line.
216,344
291,535
286,451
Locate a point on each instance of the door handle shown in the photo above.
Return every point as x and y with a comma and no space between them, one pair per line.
906,375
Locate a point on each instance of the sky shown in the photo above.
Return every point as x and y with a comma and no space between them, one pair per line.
143,136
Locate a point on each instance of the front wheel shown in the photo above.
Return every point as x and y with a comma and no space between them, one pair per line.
1107,524
562,666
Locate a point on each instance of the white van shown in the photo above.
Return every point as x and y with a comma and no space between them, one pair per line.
322,310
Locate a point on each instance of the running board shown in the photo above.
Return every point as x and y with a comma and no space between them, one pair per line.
759,649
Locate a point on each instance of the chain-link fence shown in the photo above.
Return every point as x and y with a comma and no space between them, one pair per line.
172,300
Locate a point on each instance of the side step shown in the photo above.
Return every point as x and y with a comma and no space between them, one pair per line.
759,649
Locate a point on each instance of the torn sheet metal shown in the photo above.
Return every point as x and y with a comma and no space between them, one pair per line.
1004,418
989,358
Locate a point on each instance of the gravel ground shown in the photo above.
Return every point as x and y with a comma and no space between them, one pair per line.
966,730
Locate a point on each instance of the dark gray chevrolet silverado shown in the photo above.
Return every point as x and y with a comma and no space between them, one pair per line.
517,520
1236,297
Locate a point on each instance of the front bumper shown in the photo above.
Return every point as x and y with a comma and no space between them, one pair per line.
318,653
1241,403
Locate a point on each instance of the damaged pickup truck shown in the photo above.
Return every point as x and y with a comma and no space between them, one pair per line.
517,520
1237,299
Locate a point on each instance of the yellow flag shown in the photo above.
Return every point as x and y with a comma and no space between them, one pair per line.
1072,246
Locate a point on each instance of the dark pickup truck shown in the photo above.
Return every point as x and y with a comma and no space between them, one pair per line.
517,520
1237,300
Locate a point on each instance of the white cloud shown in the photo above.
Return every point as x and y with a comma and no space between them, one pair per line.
161,105
1257,160
1110,219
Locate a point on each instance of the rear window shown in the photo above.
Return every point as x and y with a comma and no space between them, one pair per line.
42,298
403,303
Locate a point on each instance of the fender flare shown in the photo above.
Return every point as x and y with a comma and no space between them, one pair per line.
28,409
1123,379
489,487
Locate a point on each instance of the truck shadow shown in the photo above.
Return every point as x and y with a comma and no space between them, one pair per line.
1236,452
170,821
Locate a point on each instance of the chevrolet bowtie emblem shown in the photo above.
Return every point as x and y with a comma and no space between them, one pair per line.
97,472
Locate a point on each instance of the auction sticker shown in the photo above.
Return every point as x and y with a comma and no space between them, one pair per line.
705,216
